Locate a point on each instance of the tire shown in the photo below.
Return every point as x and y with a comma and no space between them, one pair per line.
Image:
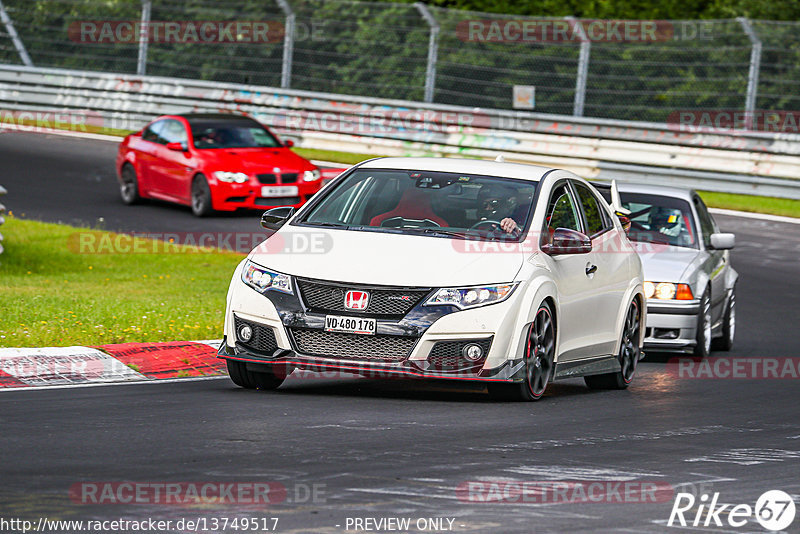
628,356
728,325
201,196
129,185
539,361
269,379
703,347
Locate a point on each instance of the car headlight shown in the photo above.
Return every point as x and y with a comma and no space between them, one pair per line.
238,177
311,176
471,297
667,291
263,280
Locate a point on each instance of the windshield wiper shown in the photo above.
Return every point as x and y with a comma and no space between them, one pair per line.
437,232
327,224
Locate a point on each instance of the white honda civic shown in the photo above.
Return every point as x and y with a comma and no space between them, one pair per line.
509,274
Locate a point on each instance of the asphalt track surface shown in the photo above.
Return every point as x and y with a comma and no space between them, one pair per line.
382,448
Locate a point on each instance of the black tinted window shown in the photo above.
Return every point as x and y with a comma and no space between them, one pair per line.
595,222
151,133
562,212
172,132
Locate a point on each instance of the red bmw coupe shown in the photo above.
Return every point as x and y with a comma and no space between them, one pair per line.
213,162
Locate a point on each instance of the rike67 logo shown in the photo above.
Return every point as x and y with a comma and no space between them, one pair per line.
774,510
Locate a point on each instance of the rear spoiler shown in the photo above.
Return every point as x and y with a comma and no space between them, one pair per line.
611,195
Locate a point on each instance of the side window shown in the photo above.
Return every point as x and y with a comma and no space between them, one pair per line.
707,224
561,212
151,132
595,221
172,132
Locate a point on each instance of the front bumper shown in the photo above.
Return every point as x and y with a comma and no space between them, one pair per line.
232,196
423,369
671,325
431,338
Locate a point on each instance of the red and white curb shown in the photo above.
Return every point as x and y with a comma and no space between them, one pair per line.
105,364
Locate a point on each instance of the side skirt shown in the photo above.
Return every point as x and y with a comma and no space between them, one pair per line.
588,366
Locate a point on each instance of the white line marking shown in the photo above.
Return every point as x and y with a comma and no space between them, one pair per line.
759,216
125,383
65,133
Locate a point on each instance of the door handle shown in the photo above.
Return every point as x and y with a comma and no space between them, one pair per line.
590,269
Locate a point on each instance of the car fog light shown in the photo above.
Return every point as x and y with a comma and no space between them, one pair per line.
472,352
245,333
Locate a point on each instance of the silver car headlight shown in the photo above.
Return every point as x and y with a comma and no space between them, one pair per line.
312,176
263,280
230,177
667,291
471,297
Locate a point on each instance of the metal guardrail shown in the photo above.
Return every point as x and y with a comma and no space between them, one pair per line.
2,213
729,161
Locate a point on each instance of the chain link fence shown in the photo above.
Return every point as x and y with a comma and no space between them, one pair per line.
421,53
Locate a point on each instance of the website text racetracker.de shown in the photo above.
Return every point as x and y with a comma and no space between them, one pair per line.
199,524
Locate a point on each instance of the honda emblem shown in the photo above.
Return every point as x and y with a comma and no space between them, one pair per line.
356,300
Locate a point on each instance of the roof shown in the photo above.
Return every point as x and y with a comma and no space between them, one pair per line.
467,166
214,116
662,190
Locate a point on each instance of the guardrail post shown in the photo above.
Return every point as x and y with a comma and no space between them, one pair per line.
144,38
12,32
752,75
288,44
583,68
2,219
433,50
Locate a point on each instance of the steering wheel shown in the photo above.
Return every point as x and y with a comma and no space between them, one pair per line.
482,223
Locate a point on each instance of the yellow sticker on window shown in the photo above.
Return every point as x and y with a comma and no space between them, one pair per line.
672,219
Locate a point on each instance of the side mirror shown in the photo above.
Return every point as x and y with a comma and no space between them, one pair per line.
625,221
288,143
722,241
566,241
276,217
178,147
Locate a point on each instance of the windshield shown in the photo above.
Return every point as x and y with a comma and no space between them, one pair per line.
434,203
660,219
240,134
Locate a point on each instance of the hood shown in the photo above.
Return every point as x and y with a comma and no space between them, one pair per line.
384,259
664,263
255,160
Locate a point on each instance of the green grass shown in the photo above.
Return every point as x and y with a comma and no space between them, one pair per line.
333,155
52,295
771,205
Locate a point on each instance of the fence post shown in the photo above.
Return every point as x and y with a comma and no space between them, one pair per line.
752,75
288,44
12,32
583,68
144,38
433,50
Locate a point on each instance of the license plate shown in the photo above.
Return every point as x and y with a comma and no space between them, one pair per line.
349,325
284,191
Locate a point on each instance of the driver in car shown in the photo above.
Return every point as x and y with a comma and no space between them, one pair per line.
499,203
665,221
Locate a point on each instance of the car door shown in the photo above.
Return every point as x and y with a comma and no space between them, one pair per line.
611,277
173,165
146,149
716,261
577,321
